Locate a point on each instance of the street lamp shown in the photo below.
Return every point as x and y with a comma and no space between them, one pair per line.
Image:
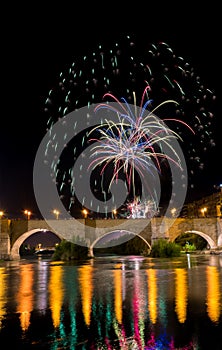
114,213
56,212
1,214
203,211
85,213
28,213
173,212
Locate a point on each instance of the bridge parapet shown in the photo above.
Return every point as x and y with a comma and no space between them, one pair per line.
137,226
65,229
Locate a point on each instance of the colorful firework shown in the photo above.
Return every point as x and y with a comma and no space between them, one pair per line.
135,143
122,69
146,209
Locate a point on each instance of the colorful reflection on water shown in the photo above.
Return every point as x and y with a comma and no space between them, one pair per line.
112,303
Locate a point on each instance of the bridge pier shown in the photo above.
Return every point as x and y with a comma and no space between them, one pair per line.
14,257
4,240
90,252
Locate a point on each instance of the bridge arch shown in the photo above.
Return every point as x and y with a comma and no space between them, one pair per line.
219,243
14,253
113,232
209,240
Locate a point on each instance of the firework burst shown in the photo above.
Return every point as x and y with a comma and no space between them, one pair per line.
135,143
139,141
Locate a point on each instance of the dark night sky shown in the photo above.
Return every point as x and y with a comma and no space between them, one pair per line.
40,42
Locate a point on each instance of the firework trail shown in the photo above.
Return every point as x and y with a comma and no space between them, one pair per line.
122,69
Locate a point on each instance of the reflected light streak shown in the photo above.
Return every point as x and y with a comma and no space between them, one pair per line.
56,293
42,286
152,294
162,303
86,290
25,295
123,281
118,294
73,298
213,293
138,310
3,286
121,336
181,294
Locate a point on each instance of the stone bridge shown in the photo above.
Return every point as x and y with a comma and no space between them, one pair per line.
90,232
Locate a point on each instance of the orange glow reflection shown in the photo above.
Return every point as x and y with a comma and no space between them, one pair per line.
181,294
25,295
56,293
86,288
118,294
213,293
152,294
2,294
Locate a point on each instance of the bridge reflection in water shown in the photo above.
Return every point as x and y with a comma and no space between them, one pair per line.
113,303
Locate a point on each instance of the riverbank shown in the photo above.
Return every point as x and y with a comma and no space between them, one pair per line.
215,251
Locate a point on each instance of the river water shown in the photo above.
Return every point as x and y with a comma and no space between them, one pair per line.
112,303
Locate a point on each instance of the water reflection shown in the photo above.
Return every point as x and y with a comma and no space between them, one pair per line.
181,294
112,303
86,291
118,294
25,295
213,293
41,285
3,286
56,293
152,295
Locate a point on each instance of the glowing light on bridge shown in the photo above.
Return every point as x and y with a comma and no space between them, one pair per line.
173,212
204,211
85,213
28,214
56,212
114,213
